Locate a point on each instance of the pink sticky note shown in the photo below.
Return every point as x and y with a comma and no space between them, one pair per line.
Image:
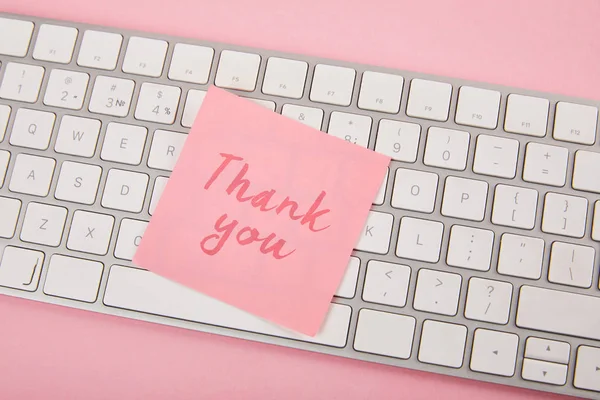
262,212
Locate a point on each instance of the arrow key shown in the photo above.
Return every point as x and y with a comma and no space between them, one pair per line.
545,372
547,350
494,352
587,369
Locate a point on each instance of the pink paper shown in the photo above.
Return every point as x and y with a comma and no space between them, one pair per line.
262,212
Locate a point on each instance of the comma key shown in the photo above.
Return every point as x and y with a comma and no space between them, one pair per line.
375,236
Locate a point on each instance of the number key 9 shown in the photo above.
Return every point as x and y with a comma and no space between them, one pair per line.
399,140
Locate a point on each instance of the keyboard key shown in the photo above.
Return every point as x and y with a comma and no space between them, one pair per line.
375,237
596,223
21,82
347,288
464,198
124,143
585,172
515,207
191,63
55,43
564,215
285,77
442,344
32,129
446,148
270,105
437,292
111,96
332,85
129,238
526,115
429,100
545,372
546,164
66,89
477,107
43,224
157,103
32,175
193,102
77,136
521,256
90,232
494,352
310,116
547,350
19,33
165,149
384,333
145,56
99,50
575,123
350,127
398,140
159,186
9,215
380,196
470,248
488,301
237,70
571,264
587,368
419,239
380,92
73,278
414,190
125,190
143,291
4,116
20,268
386,283
78,182
496,156
559,312
4,159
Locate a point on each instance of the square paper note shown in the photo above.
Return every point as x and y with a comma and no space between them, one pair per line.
262,212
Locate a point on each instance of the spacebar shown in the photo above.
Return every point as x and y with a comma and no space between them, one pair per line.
140,290
559,312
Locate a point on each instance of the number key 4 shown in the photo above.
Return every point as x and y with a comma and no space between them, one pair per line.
157,103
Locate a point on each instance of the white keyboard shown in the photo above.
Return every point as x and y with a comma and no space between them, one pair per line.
479,259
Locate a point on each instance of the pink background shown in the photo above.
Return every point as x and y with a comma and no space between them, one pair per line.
54,353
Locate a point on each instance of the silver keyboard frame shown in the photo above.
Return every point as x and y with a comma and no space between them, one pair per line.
356,303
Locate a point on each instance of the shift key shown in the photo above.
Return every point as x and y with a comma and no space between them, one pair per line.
559,312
